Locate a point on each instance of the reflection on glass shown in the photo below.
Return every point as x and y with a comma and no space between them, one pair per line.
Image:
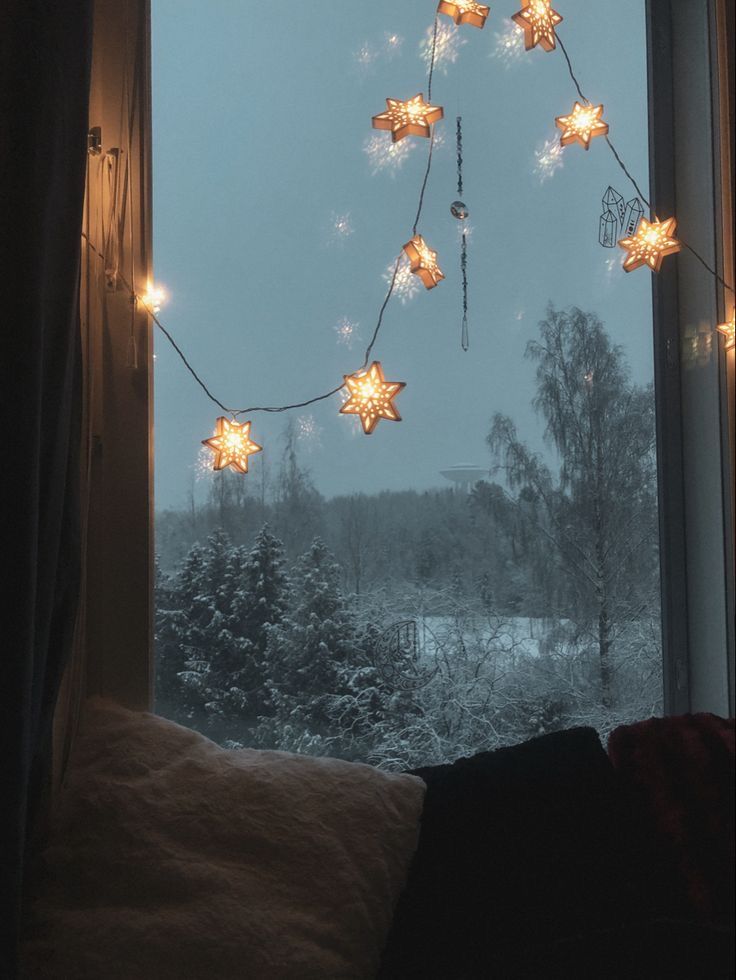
697,346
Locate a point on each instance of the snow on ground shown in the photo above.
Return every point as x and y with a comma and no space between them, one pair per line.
519,636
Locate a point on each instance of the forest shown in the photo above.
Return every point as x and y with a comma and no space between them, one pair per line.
410,628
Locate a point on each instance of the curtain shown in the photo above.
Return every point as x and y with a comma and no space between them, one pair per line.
45,55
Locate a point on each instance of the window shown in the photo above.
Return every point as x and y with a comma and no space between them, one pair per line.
455,612
456,582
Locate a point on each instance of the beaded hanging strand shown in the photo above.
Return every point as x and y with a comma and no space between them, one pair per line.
459,211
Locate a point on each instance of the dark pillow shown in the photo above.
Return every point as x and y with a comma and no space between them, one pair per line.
518,849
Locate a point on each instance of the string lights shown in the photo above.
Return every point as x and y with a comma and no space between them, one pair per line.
582,125
538,21
423,261
231,445
465,11
411,118
651,243
371,397
366,392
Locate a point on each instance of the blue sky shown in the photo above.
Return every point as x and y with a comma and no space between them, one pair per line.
274,223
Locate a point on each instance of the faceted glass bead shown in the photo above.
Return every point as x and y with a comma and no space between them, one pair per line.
459,210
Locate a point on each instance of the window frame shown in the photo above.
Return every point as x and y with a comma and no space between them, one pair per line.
117,639
688,44
117,615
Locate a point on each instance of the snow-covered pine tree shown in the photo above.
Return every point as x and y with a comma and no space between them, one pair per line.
174,596
212,643
320,674
261,599
207,584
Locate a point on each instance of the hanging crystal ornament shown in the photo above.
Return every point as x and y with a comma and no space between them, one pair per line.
459,210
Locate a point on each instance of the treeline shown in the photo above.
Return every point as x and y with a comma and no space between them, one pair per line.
255,651
576,546
424,539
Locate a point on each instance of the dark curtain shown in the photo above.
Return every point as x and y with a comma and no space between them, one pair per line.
45,55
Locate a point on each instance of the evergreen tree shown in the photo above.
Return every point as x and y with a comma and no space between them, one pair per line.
317,659
260,604
211,645
213,642
170,659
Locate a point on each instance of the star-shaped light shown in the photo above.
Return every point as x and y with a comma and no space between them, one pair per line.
583,123
411,118
154,298
652,241
423,261
728,330
231,445
371,397
465,11
538,20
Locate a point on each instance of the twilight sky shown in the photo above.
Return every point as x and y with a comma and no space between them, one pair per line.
277,211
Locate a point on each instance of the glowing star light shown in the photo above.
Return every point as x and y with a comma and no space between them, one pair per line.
154,298
411,118
231,445
371,397
728,330
538,21
582,125
652,241
465,11
423,261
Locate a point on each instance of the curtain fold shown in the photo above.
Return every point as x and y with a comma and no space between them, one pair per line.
45,56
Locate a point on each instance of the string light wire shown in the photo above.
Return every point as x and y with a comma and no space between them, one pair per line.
235,412
420,205
625,169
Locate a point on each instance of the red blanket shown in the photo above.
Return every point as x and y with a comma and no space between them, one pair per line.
681,771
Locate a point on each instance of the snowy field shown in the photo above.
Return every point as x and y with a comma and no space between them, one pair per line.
516,636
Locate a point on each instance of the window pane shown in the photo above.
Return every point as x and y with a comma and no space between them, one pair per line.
486,569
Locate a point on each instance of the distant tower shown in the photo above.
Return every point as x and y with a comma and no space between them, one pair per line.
464,475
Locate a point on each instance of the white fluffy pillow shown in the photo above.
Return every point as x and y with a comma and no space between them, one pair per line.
170,857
